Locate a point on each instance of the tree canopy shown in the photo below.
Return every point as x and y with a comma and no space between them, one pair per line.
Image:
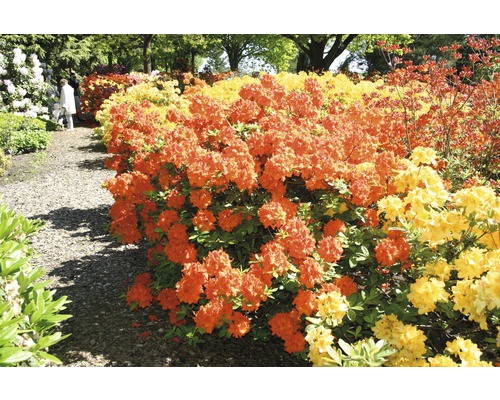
188,52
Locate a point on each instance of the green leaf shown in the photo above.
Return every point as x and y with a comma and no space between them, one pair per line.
49,357
12,355
351,315
8,333
345,347
48,341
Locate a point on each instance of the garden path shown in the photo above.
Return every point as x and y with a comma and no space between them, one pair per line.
64,189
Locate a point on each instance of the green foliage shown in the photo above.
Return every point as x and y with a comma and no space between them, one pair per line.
29,314
5,162
363,353
20,134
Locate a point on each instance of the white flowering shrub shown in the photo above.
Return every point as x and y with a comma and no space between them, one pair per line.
23,90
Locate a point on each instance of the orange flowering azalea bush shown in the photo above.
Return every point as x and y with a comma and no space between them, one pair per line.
281,212
449,106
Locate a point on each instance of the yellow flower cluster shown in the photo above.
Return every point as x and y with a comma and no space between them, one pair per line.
410,343
438,215
320,340
423,205
424,197
332,307
425,292
467,351
338,87
438,268
479,292
407,339
228,90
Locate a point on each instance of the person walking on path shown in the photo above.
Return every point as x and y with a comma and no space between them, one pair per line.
67,102
75,84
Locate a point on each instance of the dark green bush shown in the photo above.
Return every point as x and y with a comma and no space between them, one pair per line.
20,134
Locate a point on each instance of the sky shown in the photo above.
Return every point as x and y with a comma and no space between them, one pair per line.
257,16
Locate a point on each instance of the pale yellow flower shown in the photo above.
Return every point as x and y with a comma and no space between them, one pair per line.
392,206
332,307
419,200
423,155
317,358
441,361
467,351
471,263
465,294
439,268
488,288
319,338
476,199
407,339
425,292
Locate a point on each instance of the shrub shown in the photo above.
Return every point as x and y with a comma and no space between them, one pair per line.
97,88
104,69
22,87
29,314
19,134
160,95
284,212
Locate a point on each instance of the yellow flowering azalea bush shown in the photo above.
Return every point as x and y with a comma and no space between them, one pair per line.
443,308
161,95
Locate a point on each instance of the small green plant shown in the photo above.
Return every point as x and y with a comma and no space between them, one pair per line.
363,353
29,314
20,134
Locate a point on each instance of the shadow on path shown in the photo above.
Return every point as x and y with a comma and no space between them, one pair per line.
89,223
101,328
94,272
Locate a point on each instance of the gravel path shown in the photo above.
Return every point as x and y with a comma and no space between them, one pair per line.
63,189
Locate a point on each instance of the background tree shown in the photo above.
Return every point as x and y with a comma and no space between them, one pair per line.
268,49
60,52
146,52
185,52
321,50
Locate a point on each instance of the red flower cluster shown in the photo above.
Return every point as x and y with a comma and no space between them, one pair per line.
97,88
393,249
287,326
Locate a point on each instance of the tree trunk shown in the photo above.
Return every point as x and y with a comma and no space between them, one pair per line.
233,57
110,61
319,59
146,53
316,54
302,62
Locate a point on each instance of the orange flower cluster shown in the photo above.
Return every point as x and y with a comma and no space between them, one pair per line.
140,292
393,249
287,326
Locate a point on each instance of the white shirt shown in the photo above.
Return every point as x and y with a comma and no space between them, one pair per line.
67,99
